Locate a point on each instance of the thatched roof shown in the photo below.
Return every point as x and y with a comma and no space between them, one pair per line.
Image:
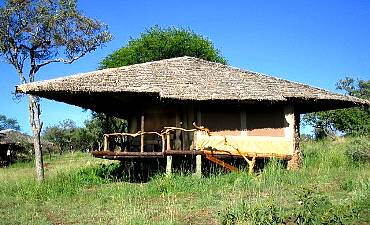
4,140
10,136
183,78
7,137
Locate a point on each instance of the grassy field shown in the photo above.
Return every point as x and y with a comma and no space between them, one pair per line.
332,187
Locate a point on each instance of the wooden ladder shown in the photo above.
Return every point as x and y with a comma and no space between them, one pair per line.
221,163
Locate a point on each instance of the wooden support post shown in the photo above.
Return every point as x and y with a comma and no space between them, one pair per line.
142,136
168,158
169,165
296,160
168,141
198,158
163,142
198,166
106,143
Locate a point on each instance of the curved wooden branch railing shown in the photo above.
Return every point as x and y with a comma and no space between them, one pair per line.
164,134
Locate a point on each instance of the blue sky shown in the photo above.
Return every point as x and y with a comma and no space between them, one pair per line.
313,42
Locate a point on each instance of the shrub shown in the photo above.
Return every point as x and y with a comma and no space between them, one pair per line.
265,211
358,150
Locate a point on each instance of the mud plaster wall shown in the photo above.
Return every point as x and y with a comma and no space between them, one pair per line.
256,122
265,123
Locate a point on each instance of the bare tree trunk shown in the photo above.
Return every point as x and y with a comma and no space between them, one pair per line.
36,125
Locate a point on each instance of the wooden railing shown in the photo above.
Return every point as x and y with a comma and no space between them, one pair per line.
164,135
165,142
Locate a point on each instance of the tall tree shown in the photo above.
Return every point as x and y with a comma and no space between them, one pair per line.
35,33
8,123
352,121
158,43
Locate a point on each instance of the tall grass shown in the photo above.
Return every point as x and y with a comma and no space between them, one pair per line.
332,187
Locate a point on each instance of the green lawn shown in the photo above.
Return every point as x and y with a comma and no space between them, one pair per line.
332,187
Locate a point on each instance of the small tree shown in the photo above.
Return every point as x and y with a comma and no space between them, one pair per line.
8,123
352,121
62,135
35,33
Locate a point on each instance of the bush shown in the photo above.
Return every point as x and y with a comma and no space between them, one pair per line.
358,150
111,172
264,211
310,208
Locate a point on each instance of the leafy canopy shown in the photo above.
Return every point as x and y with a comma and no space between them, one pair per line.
46,31
68,137
158,43
8,123
352,121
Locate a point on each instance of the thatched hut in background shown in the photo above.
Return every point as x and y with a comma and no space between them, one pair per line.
17,146
236,113
8,148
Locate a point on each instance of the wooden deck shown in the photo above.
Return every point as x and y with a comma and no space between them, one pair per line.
116,155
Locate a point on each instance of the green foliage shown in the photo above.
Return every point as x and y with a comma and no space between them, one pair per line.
8,123
62,135
261,212
44,30
111,172
68,137
101,124
359,88
358,150
163,43
308,208
352,121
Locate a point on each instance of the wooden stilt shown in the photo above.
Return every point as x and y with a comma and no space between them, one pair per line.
198,165
169,165
296,160
168,158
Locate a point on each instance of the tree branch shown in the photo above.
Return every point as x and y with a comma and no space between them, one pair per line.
65,61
